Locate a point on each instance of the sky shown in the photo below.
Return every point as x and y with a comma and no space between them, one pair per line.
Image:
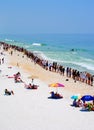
46,16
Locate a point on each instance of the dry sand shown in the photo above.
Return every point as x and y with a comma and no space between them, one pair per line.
31,109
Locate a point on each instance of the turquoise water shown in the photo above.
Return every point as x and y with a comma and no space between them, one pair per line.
72,50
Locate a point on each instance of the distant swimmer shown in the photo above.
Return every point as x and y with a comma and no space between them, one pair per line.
73,49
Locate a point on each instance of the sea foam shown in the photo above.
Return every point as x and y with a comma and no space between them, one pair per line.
36,44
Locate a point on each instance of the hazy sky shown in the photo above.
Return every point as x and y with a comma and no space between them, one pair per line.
46,16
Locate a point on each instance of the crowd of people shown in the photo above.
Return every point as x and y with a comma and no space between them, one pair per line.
53,66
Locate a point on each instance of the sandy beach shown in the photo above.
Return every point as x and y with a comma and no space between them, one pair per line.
31,109
46,65
47,76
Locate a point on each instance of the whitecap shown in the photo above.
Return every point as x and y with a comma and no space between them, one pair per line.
36,44
40,54
9,40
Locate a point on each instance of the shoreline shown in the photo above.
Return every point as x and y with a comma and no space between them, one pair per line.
26,60
28,65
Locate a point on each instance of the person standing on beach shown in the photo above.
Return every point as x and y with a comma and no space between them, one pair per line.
3,60
32,80
67,71
11,53
17,64
63,70
91,80
0,61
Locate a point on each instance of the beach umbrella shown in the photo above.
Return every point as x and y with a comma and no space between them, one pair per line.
33,77
76,96
56,85
87,98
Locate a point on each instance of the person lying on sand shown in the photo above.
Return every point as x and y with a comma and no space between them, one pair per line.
77,103
30,86
55,95
7,92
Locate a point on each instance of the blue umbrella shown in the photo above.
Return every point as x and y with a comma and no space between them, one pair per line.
87,98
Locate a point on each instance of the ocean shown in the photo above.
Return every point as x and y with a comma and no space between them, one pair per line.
70,50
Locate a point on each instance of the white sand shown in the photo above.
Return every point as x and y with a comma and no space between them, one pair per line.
32,110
